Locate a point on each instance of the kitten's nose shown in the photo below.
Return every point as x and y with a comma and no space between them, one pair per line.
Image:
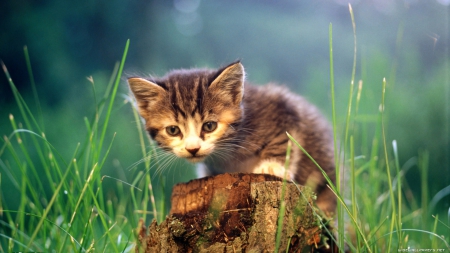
192,144
193,151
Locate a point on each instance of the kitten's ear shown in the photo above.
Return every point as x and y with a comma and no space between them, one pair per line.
229,82
145,91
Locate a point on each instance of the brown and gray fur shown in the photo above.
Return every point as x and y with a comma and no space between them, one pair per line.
251,124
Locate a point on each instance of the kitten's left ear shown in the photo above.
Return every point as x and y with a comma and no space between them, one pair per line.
230,82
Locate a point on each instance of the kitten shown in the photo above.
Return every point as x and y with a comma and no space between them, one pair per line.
217,118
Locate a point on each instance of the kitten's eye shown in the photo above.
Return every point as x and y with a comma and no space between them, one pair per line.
209,126
173,130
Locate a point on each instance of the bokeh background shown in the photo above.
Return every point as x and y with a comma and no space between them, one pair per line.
404,41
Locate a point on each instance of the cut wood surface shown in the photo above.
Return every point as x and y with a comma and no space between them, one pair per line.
236,213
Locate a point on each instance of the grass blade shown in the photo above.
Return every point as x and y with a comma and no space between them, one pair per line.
340,214
33,87
333,188
283,202
113,95
49,206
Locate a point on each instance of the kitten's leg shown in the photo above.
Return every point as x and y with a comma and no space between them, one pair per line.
273,167
326,201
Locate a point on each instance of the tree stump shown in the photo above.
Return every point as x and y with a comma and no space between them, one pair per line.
236,213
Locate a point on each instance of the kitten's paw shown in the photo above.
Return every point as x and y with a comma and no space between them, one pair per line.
274,168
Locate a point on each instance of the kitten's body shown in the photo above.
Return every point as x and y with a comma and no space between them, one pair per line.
248,123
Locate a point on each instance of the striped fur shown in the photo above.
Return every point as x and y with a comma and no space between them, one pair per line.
250,125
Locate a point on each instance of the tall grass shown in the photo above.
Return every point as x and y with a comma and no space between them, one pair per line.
376,211
63,207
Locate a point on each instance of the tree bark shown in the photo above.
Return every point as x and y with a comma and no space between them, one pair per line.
237,213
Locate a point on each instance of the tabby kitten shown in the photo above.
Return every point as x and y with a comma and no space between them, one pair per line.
215,117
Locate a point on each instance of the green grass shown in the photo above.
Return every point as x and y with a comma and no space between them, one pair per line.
63,207
376,211
382,214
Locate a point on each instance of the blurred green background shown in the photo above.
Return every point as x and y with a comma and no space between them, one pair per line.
283,41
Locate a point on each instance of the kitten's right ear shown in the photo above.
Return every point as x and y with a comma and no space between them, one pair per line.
145,91
230,82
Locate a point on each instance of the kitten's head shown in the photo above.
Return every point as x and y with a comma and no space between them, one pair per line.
191,112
